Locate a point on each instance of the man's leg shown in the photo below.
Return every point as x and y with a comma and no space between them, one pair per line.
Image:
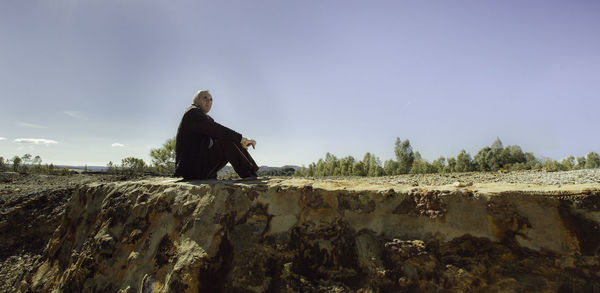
240,159
216,161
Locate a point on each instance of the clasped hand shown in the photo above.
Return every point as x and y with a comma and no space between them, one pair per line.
248,142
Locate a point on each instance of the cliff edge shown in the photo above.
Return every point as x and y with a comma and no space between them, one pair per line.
327,235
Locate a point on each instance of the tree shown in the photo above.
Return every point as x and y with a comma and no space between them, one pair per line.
580,163
346,166
496,157
311,169
439,165
404,155
568,163
36,165
497,145
483,159
110,168
420,166
25,161
306,172
451,165
390,167
515,155
26,158
397,147
331,165
320,168
65,171
2,164
16,160
37,160
553,166
464,162
531,162
358,169
163,158
490,158
592,160
373,165
133,165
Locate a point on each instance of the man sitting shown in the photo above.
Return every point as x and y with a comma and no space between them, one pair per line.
203,146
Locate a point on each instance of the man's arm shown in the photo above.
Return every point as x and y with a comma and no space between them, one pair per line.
202,124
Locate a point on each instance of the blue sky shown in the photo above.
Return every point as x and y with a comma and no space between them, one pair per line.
87,82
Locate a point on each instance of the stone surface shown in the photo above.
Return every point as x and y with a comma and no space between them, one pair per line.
31,207
326,235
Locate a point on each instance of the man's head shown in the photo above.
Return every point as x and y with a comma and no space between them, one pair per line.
204,100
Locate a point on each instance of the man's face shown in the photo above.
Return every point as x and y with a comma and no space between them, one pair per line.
205,103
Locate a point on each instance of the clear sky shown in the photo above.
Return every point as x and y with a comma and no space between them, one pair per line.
87,82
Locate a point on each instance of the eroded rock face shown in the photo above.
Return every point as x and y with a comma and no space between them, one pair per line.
297,236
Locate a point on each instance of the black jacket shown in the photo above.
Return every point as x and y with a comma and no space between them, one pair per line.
193,137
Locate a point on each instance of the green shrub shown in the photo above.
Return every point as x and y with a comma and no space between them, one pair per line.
592,160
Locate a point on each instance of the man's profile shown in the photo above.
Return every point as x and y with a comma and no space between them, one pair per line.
203,146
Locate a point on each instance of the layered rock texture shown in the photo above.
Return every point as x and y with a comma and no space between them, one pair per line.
336,235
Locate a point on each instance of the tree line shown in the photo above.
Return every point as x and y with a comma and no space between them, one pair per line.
30,164
495,157
163,162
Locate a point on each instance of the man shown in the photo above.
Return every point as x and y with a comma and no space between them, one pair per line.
203,146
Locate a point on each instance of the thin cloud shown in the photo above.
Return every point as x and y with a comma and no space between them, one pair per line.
36,141
31,125
116,144
2,138
74,114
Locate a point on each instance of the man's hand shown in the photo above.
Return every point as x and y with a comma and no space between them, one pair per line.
248,142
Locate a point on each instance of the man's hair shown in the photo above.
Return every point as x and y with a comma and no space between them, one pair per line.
200,94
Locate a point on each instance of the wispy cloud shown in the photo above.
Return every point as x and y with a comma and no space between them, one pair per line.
2,138
74,114
116,144
35,141
31,125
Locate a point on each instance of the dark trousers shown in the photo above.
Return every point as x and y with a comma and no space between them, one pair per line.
223,152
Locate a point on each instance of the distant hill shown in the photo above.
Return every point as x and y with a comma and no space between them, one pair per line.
266,168
90,168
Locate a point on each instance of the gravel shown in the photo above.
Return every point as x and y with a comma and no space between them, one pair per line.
537,177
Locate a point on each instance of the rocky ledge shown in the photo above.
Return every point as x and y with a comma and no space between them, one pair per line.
331,235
